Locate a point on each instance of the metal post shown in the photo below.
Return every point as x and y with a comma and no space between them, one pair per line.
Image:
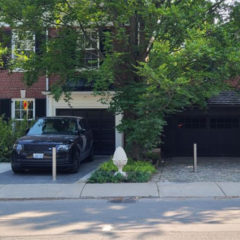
54,164
195,157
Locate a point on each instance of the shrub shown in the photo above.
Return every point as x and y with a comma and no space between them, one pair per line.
6,139
101,176
137,171
132,166
9,132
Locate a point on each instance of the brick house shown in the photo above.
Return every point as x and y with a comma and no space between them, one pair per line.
216,130
11,99
41,103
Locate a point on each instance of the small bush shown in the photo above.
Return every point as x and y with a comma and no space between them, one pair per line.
138,176
101,176
10,131
108,166
7,139
132,166
137,171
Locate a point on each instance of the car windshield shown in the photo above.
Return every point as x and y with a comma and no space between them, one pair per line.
59,126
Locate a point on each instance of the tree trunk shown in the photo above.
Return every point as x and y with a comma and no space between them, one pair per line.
137,152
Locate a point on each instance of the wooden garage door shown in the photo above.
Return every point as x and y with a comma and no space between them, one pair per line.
217,135
101,122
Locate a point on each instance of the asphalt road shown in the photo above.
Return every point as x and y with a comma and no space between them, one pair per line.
41,177
148,219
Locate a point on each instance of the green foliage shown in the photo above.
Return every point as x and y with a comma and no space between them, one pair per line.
9,132
6,139
132,166
101,176
108,166
137,171
161,57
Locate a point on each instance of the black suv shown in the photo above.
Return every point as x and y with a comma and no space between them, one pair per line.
70,135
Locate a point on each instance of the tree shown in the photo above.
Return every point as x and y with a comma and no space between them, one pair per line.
160,56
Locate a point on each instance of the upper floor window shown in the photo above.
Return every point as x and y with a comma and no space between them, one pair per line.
23,44
87,51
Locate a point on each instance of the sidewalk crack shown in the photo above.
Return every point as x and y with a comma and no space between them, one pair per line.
221,189
82,190
158,190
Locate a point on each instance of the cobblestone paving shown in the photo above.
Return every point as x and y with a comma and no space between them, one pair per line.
209,170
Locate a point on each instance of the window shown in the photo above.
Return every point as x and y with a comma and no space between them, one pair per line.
54,126
23,44
23,109
224,123
192,123
87,52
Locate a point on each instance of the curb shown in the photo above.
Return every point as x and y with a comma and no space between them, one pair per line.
160,190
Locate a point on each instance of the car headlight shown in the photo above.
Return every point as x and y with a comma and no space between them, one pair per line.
63,147
18,147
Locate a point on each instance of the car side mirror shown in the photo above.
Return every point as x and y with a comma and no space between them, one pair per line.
27,130
81,131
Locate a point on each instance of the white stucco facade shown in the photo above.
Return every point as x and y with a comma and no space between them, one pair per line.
82,100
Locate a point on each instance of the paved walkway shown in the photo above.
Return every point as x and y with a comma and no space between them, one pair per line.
123,190
214,179
37,177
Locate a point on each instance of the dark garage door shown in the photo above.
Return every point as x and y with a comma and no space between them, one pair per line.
217,135
102,123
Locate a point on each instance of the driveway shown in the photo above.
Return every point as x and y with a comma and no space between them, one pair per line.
8,177
210,169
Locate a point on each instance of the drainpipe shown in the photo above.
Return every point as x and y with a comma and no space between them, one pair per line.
47,82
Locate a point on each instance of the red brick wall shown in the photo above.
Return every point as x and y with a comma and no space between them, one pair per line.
12,83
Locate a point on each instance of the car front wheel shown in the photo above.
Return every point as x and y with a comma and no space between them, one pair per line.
90,156
76,162
16,169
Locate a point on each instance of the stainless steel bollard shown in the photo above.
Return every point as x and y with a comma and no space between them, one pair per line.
54,164
195,157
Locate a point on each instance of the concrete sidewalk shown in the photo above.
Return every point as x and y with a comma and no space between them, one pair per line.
154,190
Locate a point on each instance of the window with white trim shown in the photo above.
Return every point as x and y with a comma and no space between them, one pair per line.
88,50
23,44
23,109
